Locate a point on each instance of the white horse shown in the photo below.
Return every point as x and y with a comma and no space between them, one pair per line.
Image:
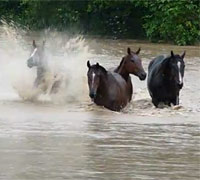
45,80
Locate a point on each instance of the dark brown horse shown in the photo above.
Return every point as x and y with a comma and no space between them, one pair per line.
131,64
107,88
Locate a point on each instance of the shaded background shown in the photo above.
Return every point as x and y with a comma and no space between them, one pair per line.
174,21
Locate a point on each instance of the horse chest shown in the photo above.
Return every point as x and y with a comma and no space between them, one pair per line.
129,88
113,98
160,86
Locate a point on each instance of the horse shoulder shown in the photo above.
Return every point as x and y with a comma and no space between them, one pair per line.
117,79
155,74
117,85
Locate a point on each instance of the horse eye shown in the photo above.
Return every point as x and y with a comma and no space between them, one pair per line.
132,60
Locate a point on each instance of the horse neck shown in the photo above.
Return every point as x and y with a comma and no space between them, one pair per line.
167,75
42,67
103,83
162,66
122,70
43,63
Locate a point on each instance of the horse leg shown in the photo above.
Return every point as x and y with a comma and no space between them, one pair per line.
155,102
130,88
40,83
175,101
55,87
38,79
36,82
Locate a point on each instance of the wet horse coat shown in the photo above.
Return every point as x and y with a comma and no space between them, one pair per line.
107,88
131,64
165,79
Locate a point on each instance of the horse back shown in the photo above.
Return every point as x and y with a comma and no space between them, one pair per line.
156,62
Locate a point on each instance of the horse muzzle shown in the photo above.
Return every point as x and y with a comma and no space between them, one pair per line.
30,63
180,85
92,95
142,76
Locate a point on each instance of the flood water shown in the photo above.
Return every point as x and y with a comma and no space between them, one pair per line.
73,139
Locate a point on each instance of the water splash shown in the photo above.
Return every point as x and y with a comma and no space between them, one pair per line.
66,57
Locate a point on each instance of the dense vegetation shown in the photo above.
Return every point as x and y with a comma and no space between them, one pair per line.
167,20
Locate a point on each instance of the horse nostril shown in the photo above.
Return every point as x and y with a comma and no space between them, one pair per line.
180,85
29,63
143,76
92,95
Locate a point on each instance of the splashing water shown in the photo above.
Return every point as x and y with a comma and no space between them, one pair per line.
66,58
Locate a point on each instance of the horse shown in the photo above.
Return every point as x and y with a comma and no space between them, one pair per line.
131,64
39,60
165,78
107,88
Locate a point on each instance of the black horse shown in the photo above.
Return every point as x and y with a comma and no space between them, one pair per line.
165,79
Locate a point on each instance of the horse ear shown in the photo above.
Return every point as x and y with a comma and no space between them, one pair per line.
129,50
34,44
88,64
172,54
97,64
183,55
138,51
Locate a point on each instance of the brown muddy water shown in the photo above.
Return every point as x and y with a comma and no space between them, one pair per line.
67,137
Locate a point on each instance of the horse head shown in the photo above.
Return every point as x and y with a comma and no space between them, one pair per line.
36,56
133,64
95,73
175,68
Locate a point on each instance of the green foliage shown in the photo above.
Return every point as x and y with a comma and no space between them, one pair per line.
169,20
172,20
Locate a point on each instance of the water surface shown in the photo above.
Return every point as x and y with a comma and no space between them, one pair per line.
45,139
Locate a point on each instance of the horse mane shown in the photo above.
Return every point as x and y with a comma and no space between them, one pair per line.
103,69
158,64
99,67
164,64
122,61
168,58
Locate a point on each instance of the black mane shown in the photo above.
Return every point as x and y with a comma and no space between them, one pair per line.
99,67
117,69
